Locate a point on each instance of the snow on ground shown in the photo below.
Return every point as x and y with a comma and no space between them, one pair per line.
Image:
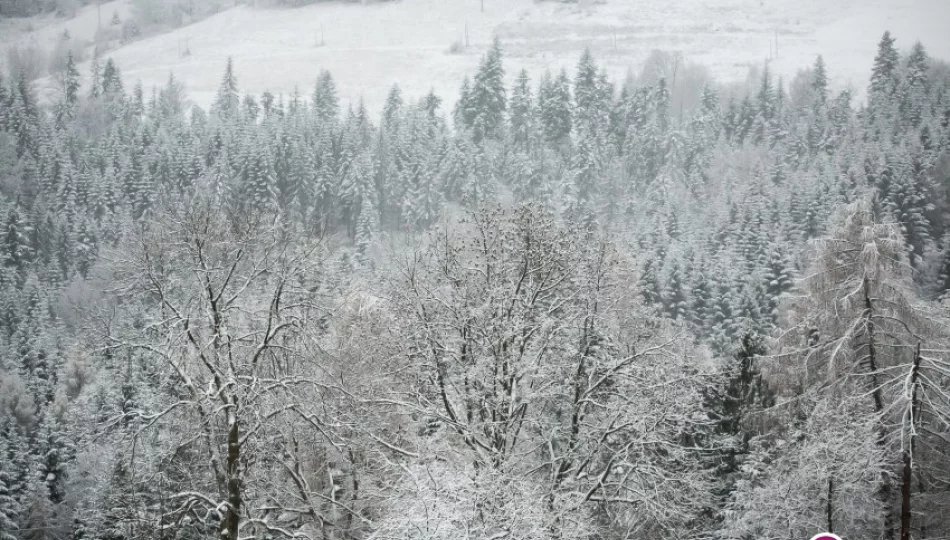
728,36
366,48
46,30
370,47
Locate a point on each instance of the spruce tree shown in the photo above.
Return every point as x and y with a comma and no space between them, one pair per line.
393,106
28,101
819,81
555,109
430,104
587,101
9,506
661,105
111,80
267,103
914,101
326,104
522,112
70,82
732,406
884,77
55,453
593,95
251,108
227,101
366,226
95,83
942,283
16,243
462,112
675,299
487,98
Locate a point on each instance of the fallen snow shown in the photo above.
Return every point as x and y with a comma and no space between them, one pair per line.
45,30
370,47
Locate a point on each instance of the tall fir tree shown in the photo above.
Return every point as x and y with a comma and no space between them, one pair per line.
915,106
555,109
227,102
819,81
326,104
70,82
522,112
487,98
884,77
734,406
112,80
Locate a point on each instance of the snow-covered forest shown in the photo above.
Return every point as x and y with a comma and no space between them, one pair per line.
562,309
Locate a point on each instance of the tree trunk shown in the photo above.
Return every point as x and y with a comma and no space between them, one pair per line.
232,517
885,490
908,454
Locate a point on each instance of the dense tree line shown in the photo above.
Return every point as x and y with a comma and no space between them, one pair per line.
557,310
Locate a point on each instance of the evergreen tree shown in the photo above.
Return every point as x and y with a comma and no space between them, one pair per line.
732,405
942,286
819,81
766,108
326,104
661,105
267,103
70,82
9,506
431,103
111,80
393,105
462,114
251,108
228,101
675,299
55,453
586,98
16,243
171,101
487,97
914,102
884,76
592,98
366,226
554,109
95,84
28,101
522,112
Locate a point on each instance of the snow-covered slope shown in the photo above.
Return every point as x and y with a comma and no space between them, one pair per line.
45,30
370,47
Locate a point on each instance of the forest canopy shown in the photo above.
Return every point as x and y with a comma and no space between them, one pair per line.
558,310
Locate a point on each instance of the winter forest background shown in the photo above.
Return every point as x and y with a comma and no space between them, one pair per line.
559,309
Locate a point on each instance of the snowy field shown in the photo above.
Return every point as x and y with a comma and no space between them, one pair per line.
368,48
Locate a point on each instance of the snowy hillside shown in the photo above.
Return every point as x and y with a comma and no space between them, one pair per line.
368,48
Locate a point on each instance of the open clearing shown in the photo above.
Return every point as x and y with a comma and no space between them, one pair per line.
368,48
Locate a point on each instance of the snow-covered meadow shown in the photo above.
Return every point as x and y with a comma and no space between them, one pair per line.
370,47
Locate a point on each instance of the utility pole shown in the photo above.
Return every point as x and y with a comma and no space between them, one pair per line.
99,16
776,43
